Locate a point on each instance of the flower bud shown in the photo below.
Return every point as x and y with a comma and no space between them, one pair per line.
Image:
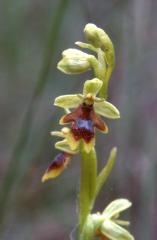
75,61
99,39
94,35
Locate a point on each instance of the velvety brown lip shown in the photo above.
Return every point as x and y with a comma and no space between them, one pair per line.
59,161
84,120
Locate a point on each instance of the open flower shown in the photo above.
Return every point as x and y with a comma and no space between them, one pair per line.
107,224
85,116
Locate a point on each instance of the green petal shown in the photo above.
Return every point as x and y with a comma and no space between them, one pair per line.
92,86
114,231
86,45
122,222
57,134
106,109
68,101
116,207
64,146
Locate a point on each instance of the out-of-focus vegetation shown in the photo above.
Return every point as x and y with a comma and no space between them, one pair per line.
32,35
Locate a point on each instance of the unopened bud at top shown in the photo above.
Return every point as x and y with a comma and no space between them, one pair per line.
97,36
94,35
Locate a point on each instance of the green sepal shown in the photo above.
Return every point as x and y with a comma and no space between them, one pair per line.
105,172
64,146
116,206
92,86
86,45
115,232
68,101
57,134
106,109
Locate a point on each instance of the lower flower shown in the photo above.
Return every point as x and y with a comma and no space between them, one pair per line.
107,225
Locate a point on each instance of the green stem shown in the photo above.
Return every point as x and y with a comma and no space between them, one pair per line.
104,73
24,133
104,70
100,71
87,185
104,90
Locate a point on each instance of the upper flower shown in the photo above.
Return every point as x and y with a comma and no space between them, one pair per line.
90,90
85,114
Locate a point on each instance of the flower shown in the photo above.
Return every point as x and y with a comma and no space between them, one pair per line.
84,119
75,61
107,225
85,116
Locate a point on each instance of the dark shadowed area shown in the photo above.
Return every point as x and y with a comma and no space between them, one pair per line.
33,34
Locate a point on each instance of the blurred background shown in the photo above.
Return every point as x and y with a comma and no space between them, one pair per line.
33,34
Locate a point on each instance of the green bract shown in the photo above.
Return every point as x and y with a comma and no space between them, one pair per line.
75,61
91,88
